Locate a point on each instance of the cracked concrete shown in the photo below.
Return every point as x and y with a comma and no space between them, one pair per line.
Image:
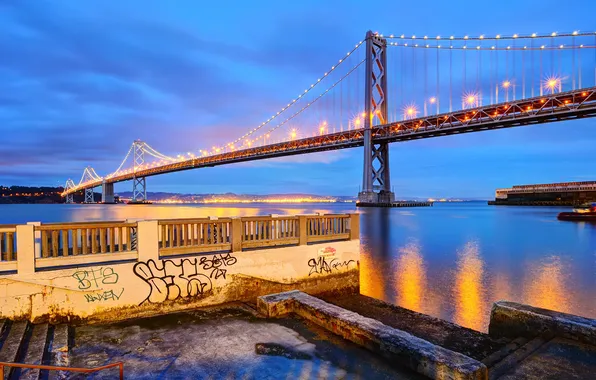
229,343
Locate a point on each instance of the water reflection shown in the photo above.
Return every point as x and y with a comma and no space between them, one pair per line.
414,257
411,278
470,308
375,253
546,284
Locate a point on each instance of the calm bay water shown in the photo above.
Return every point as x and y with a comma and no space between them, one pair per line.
451,260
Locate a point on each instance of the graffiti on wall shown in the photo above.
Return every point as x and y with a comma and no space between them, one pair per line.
171,281
93,280
104,296
325,264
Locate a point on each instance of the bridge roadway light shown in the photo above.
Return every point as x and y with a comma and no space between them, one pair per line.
293,134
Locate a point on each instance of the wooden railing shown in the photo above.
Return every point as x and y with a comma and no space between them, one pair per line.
120,366
44,246
8,242
327,227
266,231
180,236
71,239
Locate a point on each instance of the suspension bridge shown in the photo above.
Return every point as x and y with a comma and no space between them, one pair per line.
394,88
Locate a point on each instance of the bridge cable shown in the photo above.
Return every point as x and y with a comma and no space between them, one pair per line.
573,64
532,64
316,99
450,77
465,69
425,80
513,84
497,67
123,161
438,89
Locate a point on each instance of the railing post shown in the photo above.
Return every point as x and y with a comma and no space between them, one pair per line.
25,249
354,226
147,240
302,230
236,235
37,238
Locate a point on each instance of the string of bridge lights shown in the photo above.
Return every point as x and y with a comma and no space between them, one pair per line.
576,33
451,47
250,142
299,97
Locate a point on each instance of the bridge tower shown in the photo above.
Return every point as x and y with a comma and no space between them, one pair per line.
376,183
139,185
69,185
89,195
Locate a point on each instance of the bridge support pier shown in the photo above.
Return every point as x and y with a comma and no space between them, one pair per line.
89,198
107,192
376,182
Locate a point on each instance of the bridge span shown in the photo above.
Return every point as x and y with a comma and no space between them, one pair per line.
377,130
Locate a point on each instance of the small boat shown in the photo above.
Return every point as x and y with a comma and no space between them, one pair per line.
585,212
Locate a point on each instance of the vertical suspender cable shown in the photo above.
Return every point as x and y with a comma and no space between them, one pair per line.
523,73
497,72
579,68
478,69
490,70
532,64
451,77
513,82
559,71
573,63
425,80
437,94
540,81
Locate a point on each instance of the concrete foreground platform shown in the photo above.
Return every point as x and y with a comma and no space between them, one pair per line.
557,359
230,342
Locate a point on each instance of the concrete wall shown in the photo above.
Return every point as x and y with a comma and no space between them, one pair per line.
147,284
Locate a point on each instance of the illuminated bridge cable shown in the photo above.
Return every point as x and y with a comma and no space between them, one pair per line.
149,150
122,164
314,100
483,37
314,85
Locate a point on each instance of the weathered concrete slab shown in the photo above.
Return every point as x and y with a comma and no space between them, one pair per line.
510,319
515,358
11,345
400,347
472,343
225,343
59,351
35,350
559,359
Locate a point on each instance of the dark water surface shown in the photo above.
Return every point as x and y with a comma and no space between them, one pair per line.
452,260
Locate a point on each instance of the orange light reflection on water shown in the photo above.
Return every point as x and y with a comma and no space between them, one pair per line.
469,288
411,278
371,279
546,285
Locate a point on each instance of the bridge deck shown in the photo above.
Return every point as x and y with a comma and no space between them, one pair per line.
569,105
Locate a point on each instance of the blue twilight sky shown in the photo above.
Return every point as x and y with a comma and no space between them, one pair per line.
80,80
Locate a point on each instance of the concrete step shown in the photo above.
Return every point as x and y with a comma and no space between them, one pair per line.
59,351
494,358
35,350
513,359
12,344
